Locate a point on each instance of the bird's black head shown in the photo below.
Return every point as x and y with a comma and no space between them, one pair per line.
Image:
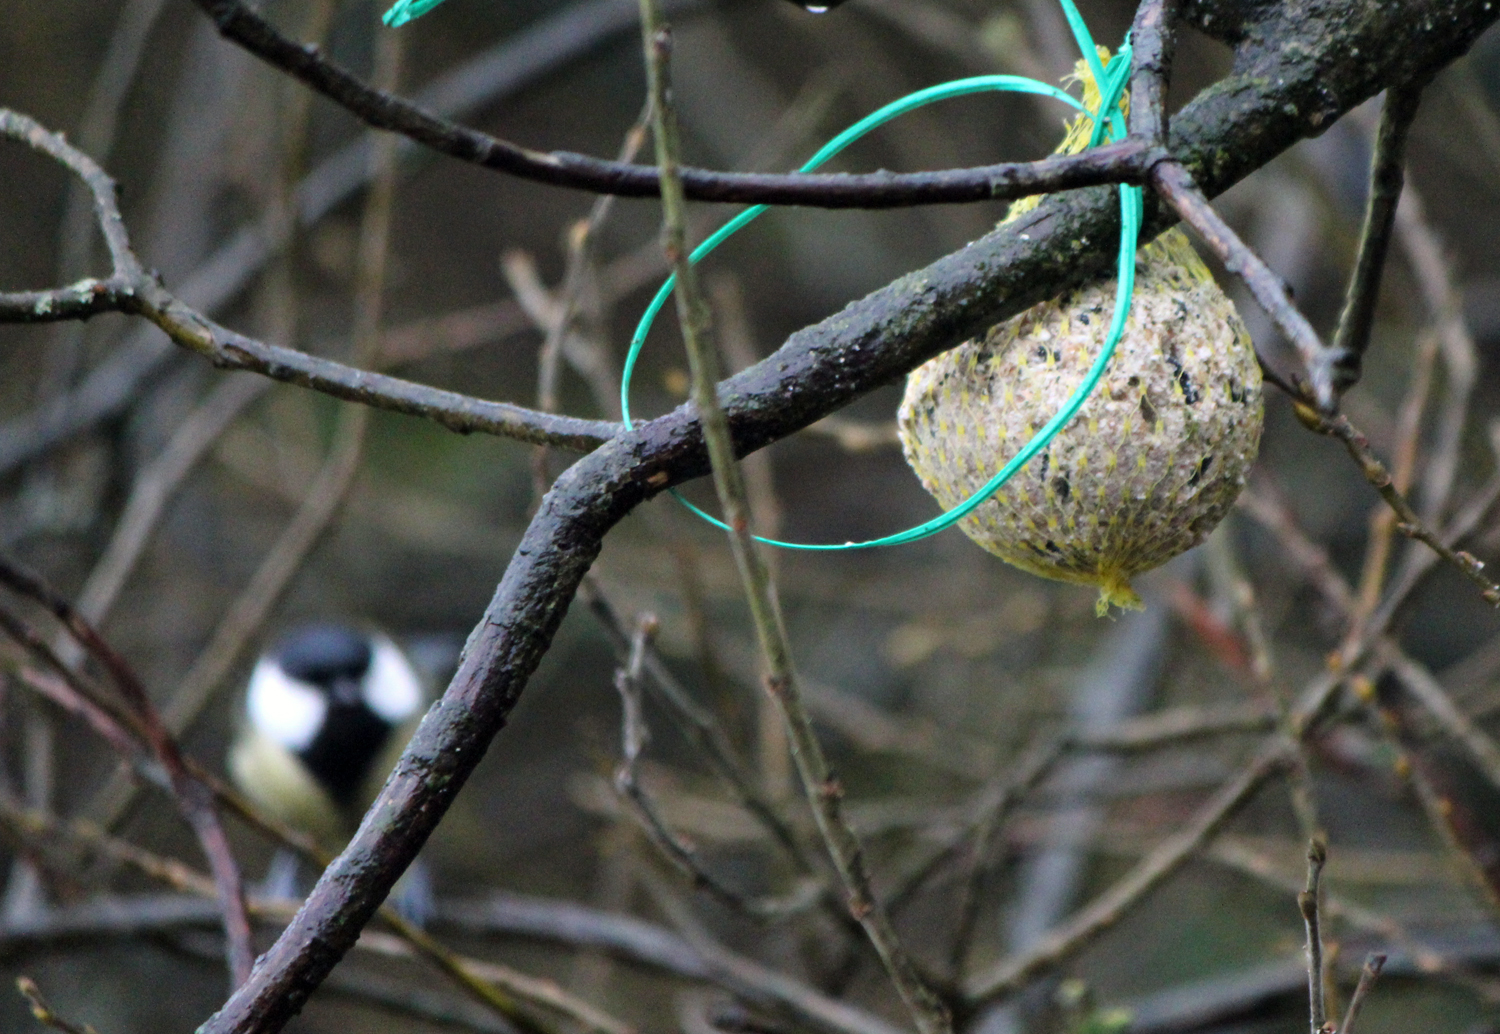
332,696
325,654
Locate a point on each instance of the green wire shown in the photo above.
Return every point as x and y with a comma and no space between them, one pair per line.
404,11
1113,82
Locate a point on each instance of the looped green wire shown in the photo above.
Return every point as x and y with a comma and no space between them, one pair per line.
1113,81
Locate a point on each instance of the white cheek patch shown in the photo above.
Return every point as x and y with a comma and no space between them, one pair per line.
288,711
392,689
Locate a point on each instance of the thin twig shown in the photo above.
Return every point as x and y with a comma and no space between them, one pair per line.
991,805
496,986
131,289
760,984
1383,520
735,334
634,737
193,797
44,1013
1262,502
477,982
75,695
1426,689
1440,809
1380,479
41,830
1307,903
409,999
580,244
129,916
254,604
1316,566
950,34
857,436
382,110
146,914
1419,565
501,987
576,926
700,726
1386,179
457,412
1314,562
556,316
154,487
1326,368
878,730
1460,354
1425,959
1009,975
557,922
824,792
480,985
1368,974
1032,768
1222,559
95,134
1176,726
1370,633
278,304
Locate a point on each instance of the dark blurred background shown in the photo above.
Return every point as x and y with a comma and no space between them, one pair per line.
931,667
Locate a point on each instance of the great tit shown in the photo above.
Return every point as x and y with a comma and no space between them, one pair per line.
327,711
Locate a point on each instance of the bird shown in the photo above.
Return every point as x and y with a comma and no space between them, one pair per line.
327,709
